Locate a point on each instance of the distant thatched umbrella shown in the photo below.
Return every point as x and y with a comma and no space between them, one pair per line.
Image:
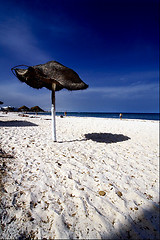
53,76
36,109
1,102
23,109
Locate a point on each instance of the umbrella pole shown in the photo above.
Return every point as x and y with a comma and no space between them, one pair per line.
53,112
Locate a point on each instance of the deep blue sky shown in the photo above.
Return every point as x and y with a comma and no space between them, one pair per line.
112,44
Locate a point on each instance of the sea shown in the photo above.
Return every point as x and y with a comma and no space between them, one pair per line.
144,116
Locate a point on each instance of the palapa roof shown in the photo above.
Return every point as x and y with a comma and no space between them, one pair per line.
36,109
23,108
43,75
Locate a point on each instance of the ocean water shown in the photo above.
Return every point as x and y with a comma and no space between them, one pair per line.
145,116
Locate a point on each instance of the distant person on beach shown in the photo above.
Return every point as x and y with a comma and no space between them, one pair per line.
120,115
65,113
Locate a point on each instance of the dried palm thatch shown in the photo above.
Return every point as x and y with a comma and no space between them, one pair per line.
44,75
51,75
23,109
36,109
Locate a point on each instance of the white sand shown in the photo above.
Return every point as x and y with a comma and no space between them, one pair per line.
52,190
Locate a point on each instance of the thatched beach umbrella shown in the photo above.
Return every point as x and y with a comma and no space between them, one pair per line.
53,76
23,109
36,109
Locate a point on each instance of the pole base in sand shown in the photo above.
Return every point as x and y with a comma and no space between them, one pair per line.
53,112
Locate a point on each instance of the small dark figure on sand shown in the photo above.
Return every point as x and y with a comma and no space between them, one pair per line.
120,115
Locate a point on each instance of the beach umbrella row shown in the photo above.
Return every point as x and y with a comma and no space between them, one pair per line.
32,109
53,76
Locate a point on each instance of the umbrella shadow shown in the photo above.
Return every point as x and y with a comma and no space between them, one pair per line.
74,140
101,138
106,137
16,123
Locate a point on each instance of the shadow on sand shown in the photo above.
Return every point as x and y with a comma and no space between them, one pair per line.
17,124
145,226
101,138
106,137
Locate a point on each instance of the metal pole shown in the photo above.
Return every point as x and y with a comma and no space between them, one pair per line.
53,112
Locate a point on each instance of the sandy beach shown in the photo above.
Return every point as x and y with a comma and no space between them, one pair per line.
100,180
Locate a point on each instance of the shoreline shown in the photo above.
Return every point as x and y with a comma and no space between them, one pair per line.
100,180
43,116
136,116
